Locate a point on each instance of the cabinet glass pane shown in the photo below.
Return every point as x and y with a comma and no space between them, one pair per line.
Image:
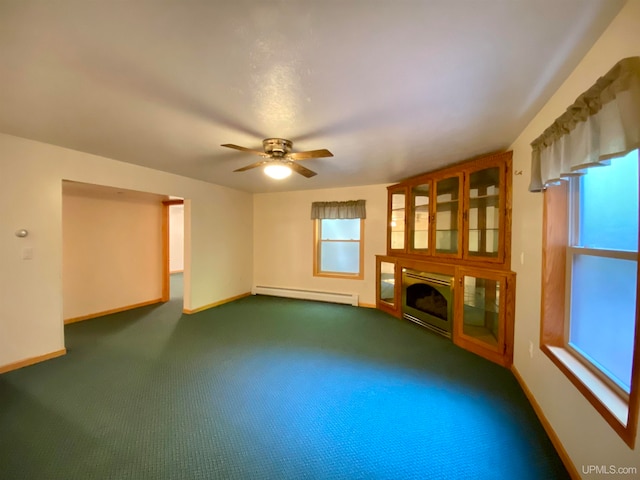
447,207
387,282
397,221
420,226
481,313
484,212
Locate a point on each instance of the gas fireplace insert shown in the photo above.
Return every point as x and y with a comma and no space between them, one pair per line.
427,299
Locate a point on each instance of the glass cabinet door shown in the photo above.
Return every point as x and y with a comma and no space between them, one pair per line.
419,228
397,220
481,311
388,285
387,280
484,213
447,218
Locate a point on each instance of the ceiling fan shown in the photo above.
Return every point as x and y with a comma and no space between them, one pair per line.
279,161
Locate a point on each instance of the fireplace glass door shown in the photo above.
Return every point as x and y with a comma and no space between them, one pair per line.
427,300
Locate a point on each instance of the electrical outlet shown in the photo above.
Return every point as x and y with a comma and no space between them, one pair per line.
530,349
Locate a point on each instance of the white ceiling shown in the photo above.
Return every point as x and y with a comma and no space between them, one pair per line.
393,88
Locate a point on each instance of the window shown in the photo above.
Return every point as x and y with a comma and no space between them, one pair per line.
338,238
590,286
602,268
338,247
586,162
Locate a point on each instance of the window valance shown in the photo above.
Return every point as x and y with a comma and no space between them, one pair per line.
602,123
348,209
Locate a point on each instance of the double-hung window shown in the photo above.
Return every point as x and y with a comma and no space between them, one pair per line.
338,242
602,266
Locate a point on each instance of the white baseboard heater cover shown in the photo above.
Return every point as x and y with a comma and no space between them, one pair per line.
333,297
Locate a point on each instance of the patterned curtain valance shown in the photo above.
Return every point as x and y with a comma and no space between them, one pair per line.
602,123
349,209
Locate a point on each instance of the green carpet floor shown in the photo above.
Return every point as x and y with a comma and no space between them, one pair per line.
266,388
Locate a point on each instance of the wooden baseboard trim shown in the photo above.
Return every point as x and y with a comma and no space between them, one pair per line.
367,305
31,361
564,456
215,304
113,310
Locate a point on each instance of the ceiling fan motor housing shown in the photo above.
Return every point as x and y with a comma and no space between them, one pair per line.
278,147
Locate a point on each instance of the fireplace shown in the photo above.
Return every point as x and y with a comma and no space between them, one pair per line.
427,299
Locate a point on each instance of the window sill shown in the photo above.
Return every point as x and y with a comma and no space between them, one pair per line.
610,405
347,276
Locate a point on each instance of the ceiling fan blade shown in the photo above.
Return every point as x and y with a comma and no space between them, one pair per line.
253,165
244,149
302,170
323,153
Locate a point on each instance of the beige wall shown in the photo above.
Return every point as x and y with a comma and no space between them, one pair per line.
587,438
31,173
176,238
283,239
111,251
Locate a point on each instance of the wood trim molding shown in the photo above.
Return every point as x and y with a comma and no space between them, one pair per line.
176,201
367,305
31,361
555,224
555,440
109,312
215,304
165,253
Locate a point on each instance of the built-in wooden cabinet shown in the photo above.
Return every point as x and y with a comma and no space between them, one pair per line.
457,221
460,214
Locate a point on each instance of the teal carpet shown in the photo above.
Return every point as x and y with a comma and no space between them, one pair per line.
266,388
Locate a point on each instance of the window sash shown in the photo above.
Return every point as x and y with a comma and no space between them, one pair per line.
319,243
574,249
592,364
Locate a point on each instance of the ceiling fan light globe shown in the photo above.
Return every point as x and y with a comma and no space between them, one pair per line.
277,172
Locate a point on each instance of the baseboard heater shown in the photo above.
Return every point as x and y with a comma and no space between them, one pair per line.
333,297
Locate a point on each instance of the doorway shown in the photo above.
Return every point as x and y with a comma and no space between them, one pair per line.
173,249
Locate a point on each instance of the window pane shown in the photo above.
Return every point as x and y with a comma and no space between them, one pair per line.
609,205
341,229
603,312
340,257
